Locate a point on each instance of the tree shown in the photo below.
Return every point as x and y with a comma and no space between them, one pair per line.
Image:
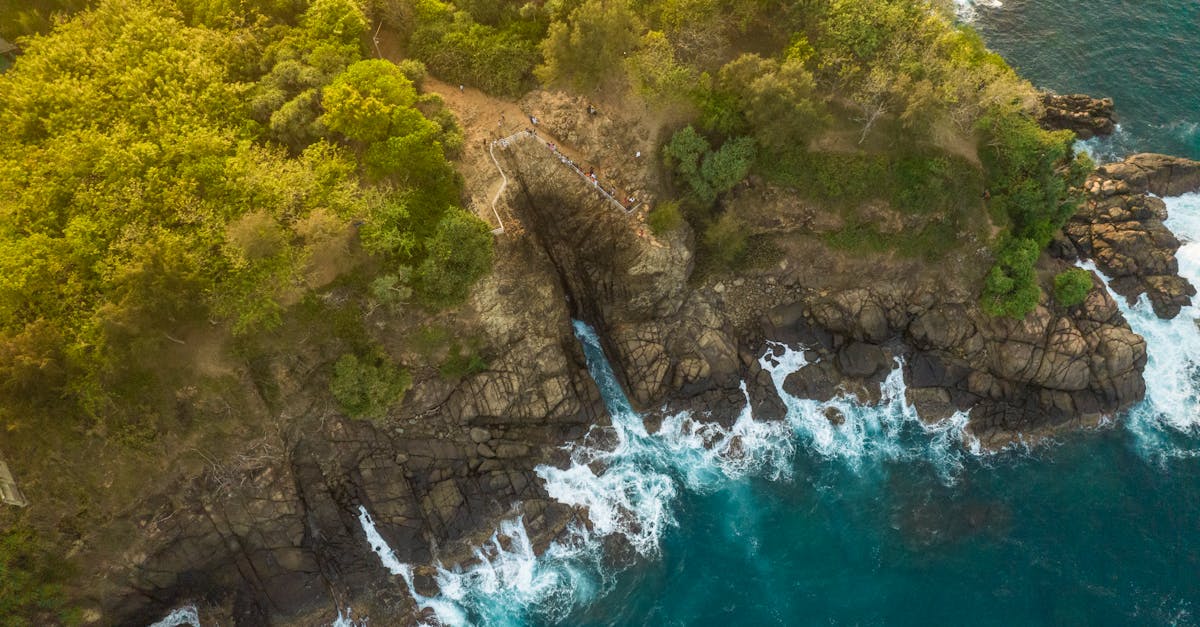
684,154
590,44
729,164
656,73
459,253
708,173
1011,287
1072,286
725,239
363,102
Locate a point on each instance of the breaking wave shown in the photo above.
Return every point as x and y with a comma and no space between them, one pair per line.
629,485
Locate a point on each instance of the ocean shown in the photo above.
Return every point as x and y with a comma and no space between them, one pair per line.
884,520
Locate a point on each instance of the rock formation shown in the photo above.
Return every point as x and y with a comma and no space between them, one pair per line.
275,532
1120,226
1085,115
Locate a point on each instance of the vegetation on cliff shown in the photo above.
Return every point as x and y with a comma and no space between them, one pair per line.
242,166
167,164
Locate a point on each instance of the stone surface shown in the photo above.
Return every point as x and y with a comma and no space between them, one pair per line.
1120,227
1085,115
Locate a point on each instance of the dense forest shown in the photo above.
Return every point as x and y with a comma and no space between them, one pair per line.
181,163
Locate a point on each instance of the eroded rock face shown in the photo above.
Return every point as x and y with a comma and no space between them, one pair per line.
1120,226
662,338
1085,115
278,532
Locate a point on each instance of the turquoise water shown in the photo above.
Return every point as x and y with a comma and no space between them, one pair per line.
1141,53
884,520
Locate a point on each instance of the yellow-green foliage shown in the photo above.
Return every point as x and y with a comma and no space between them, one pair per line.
665,217
498,58
155,173
590,44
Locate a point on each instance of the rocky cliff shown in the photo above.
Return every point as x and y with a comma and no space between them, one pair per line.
271,533
1087,116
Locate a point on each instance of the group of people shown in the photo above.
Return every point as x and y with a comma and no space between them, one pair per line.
611,193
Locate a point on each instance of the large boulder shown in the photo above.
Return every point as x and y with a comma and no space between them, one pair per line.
1085,115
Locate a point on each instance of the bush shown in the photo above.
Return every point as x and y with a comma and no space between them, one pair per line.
1011,287
725,239
367,388
1071,287
664,218
1033,177
459,50
729,164
457,255
706,172
1030,174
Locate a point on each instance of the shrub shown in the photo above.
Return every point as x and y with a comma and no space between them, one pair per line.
706,172
1071,287
1032,177
1011,287
459,253
729,164
664,218
725,239
366,388
459,50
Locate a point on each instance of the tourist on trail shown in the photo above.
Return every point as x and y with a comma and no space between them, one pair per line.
637,155
460,88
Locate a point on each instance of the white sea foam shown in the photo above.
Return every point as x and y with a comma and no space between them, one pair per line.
629,486
968,10
889,430
1102,150
187,615
1167,423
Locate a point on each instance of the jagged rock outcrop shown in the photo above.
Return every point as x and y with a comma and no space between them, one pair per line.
1085,115
1015,377
272,530
627,282
1120,227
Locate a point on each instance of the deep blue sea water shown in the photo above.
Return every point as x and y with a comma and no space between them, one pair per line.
1141,53
884,520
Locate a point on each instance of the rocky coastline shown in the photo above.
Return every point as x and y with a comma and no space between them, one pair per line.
276,536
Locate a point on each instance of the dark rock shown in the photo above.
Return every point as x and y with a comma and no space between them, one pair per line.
1085,115
835,416
862,360
816,381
